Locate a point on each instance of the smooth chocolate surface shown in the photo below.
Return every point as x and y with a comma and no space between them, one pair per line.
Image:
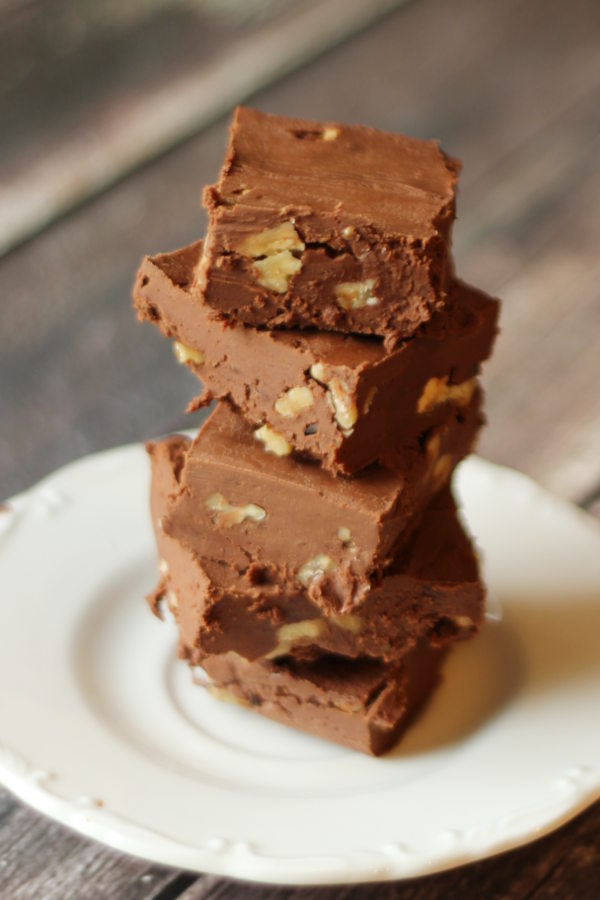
338,227
363,704
340,399
430,591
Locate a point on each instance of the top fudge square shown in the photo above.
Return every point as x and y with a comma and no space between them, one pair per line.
327,226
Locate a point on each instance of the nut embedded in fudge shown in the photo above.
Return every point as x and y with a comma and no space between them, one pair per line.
338,227
338,398
430,590
362,704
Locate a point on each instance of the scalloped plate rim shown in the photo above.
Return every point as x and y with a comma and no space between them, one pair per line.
33,785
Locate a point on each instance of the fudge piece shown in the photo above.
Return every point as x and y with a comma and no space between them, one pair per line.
431,590
363,704
340,399
237,502
338,227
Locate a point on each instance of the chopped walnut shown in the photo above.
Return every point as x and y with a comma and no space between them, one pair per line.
338,396
186,354
273,441
433,447
273,250
442,470
369,399
272,241
438,391
227,515
356,294
225,695
347,621
316,566
294,633
293,402
275,272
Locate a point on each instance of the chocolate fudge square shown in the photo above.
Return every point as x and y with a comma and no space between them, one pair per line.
328,226
225,601
337,398
292,520
362,704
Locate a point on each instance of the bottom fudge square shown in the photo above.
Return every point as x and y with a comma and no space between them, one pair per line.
363,704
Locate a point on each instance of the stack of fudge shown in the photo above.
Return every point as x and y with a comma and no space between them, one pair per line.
309,545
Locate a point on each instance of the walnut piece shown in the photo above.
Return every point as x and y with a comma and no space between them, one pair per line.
273,251
348,621
317,371
227,515
185,354
273,441
438,391
275,272
293,402
440,467
442,470
294,633
342,405
356,294
225,695
272,241
338,396
316,566
347,541
369,399
432,448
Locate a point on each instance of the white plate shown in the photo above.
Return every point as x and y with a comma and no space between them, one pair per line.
102,729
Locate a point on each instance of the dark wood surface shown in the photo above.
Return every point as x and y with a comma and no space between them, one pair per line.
89,89
513,88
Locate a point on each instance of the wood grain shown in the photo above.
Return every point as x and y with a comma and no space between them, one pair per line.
83,376
79,125
566,866
41,860
512,88
46,861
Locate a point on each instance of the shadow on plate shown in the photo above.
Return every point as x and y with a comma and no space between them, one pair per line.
541,645
479,679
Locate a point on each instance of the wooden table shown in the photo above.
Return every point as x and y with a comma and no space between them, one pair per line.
513,88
